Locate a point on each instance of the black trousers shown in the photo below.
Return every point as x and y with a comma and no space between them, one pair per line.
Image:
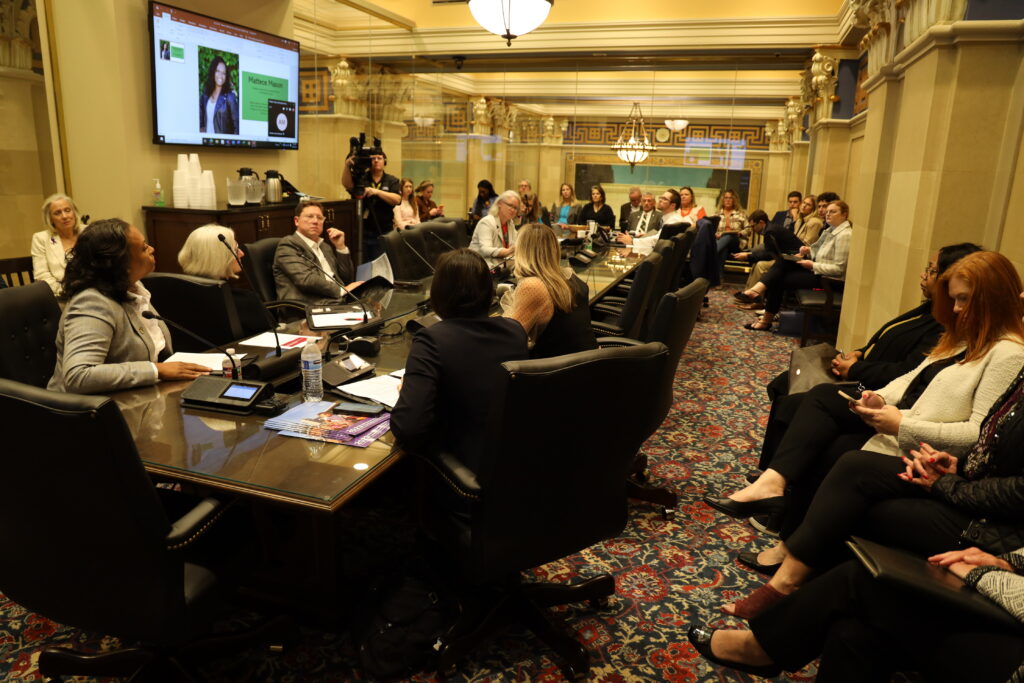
789,276
864,630
863,496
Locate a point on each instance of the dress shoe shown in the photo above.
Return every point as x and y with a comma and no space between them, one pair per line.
735,508
749,559
744,298
700,638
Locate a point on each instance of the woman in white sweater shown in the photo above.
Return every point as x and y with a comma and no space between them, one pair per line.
52,246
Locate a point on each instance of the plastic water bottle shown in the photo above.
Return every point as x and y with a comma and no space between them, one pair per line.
312,373
227,368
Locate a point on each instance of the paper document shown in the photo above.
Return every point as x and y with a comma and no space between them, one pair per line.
288,341
346,319
382,389
378,266
214,361
398,373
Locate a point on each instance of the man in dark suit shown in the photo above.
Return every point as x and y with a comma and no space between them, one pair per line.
786,218
629,208
646,220
308,267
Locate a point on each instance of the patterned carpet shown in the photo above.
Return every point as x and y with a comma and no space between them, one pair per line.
668,573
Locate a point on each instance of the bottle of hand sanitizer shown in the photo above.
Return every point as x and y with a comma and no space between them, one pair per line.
158,193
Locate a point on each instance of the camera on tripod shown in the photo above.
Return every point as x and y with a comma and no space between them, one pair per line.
361,164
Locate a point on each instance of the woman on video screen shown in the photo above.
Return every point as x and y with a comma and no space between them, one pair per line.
218,101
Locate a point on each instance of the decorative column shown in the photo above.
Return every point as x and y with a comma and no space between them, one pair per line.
829,129
478,161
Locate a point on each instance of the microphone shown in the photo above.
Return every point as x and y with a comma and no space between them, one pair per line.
418,254
316,264
150,315
266,313
443,240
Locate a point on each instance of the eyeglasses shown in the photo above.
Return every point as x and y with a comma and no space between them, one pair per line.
314,217
929,270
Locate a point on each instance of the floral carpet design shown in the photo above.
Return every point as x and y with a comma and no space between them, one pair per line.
668,573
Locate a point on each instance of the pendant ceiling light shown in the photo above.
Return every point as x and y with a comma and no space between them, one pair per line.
635,148
510,18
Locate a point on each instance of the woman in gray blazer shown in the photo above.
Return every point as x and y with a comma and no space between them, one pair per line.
103,342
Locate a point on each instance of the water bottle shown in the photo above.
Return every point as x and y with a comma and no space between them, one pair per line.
312,373
227,368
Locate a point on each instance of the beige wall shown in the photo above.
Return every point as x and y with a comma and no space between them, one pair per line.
102,50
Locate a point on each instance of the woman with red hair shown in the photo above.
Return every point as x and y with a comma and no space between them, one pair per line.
933,413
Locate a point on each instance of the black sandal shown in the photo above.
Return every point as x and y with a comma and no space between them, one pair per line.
750,326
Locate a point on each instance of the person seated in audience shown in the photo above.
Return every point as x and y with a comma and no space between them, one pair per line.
808,225
484,199
630,208
865,629
597,210
824,199
646,221
734,231
425,206
103,342
788,216
533,210
896,348
494,237
825,258
552,305
524,188
205,255
406,213
453,376
566,210
668,206
941,402
689,210
51,247
308,267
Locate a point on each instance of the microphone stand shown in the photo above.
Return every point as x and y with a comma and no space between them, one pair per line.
337,281
418,254
443,240
266,313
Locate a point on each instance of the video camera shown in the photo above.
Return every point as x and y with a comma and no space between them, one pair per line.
361,171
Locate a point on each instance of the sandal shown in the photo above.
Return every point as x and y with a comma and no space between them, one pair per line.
744,298
756,603
754,326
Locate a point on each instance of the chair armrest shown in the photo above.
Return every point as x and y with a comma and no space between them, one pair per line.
617,301
194,523
611,342
606,308
606,328
459,478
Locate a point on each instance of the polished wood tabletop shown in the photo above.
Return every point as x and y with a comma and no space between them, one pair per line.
236,454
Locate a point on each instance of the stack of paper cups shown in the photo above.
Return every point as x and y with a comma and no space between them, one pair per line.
207,191
179,192
182,162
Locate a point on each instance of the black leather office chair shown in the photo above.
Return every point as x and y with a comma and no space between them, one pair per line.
545,489
439,236
95,549
29,319
205,306
626,320
259,268
407,252
672,325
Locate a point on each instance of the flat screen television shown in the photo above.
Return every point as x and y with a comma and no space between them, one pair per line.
219,84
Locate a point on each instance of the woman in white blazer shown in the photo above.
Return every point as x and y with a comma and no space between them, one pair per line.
51,246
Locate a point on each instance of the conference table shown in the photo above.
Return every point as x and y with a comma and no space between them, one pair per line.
302,480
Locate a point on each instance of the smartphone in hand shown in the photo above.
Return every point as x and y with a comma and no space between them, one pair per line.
852,393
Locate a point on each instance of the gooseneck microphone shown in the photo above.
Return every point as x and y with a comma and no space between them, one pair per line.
418,254
337,281
443,240
266,313
150,315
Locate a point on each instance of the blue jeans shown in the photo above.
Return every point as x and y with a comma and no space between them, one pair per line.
727,245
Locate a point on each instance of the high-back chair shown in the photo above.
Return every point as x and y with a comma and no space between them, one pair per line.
29,319
205,307
16,270
544,490
626,321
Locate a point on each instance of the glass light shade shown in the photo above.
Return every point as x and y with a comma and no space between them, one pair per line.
676,124
510,18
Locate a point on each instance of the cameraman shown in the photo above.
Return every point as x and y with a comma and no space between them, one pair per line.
379,199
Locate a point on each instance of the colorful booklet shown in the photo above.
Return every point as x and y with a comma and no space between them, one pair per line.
317,422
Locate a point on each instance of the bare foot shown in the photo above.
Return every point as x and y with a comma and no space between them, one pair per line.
733,645
759,490
774,555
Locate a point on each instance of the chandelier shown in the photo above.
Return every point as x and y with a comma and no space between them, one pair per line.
497,16
637,147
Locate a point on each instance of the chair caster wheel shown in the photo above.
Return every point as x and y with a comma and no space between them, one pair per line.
600,604
668,514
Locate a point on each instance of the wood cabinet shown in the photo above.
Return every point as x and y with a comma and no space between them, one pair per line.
167,228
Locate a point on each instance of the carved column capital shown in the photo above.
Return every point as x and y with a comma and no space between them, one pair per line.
823,83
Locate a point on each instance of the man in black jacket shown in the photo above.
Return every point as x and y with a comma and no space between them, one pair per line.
629,208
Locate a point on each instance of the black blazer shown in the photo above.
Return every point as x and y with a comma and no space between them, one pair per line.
779,219
897,350
605,216
453,383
